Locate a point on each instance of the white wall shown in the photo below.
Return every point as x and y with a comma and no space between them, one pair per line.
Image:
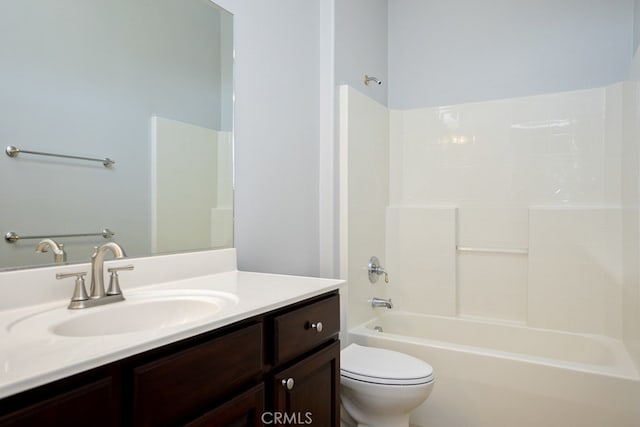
276,142
361,45
450,52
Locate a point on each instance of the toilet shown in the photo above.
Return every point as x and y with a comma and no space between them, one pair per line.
380,388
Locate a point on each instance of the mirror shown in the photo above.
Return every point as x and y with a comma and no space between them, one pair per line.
145,83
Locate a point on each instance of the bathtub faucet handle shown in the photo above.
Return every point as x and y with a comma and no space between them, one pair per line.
375,270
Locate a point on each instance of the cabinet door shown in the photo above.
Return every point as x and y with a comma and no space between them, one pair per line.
92,404
244,410
309,391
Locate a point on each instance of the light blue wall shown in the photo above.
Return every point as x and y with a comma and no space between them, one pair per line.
361,45
276,142
448,52
279,117
636,24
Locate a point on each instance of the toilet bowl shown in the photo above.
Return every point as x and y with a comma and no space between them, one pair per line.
380,388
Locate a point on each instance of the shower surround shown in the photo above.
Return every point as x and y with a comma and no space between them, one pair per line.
519,211
538,179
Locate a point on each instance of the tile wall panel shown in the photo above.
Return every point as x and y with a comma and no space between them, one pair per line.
493,161
421,259
575,269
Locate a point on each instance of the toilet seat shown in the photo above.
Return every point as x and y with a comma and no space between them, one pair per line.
382,366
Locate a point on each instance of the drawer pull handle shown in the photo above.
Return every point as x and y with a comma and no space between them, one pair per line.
317,326
288,383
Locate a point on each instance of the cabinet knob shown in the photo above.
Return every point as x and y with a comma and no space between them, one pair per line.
317,326
288,383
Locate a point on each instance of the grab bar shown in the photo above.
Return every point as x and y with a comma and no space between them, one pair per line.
514,251
14,151
12,236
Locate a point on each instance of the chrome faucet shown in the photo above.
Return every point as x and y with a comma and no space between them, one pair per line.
375,270
381,302
59,255
97,267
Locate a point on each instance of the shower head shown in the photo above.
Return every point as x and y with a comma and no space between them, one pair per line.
368,79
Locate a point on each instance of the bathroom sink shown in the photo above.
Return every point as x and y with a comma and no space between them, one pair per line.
142,311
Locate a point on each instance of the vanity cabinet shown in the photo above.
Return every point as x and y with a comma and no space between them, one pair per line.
278,366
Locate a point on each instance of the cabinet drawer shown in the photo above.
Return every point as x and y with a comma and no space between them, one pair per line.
299,331
173,389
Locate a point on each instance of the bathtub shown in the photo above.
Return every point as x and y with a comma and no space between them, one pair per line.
498,374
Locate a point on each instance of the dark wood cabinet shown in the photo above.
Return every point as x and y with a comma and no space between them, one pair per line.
298,331
227,377
245,410
170,390
309,391
74,408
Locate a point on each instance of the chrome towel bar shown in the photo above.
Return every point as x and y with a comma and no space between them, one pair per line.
513,251
12,236
14,151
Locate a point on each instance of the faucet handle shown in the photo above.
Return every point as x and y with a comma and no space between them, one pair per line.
79,293
114,281
375,269
116,269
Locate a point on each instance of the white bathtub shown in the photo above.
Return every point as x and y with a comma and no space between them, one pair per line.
501,375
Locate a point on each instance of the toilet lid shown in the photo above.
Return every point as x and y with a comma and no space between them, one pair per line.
381,366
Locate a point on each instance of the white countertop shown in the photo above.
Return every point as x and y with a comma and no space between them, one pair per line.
30,360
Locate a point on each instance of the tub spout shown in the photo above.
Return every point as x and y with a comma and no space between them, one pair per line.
381,302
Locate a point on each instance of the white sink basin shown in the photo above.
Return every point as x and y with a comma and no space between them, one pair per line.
142,311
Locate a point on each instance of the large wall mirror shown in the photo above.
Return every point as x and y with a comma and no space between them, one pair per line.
145,83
